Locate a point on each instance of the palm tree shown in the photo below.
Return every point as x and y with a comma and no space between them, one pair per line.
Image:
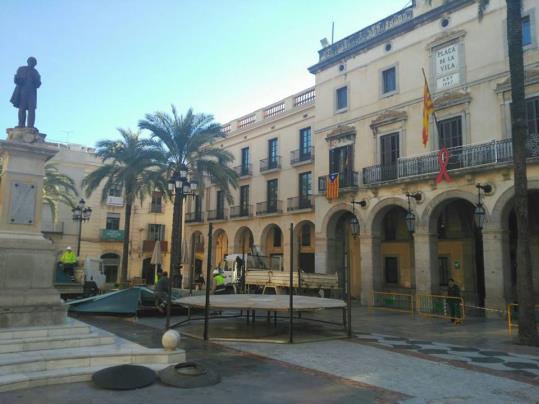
527,323
58,189
131,164
186,143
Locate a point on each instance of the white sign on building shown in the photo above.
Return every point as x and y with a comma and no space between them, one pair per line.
447,67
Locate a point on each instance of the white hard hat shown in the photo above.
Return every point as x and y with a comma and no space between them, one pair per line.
216,272
68,248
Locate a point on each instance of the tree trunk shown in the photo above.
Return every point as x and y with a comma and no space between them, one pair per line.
125,252
176,248
527,330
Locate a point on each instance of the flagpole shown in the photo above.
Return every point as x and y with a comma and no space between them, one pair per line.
433,112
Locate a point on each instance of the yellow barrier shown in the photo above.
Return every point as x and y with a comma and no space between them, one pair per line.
446,307
401,302
512,316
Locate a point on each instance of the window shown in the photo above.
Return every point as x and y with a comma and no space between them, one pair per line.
450,135
342,98
532,113
220,204
526,31
389,80
245,161
156,232
272,153
198,205
305,190
272,191
443,265
277,237
244,200
115,191
305,144
156,205
389,155
341,161
391,269
306,235
113,221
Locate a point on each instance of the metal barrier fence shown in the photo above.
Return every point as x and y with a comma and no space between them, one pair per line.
393,301
446,307
512,316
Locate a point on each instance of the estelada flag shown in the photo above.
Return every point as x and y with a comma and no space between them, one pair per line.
428,109
332,189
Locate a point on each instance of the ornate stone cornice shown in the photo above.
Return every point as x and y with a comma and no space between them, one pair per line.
388,117
531,76
450,98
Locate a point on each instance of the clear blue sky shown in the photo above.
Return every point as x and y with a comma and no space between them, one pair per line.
105,63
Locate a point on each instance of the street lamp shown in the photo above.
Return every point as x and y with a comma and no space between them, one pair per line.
479,212
81,213
354,223
181,187
410,216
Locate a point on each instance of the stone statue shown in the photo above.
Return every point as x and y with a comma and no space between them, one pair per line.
24,96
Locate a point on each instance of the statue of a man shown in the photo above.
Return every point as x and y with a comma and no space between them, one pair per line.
24,96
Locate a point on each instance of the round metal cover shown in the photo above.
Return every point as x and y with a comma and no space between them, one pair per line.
188,375
124,377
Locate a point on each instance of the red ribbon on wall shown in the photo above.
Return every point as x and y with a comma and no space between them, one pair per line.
443,161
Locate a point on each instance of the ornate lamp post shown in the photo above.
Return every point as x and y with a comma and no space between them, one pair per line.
479,212
410,216
180,186
81,213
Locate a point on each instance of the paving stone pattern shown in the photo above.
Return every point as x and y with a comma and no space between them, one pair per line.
517,364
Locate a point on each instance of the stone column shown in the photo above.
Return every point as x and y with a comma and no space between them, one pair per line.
426,262
370,266
497,268
27,259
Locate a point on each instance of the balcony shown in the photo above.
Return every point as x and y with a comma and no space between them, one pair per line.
217,214
267,165
348,181
302,156
245,170
52,228
115,200
241,211
461,159
269,207
300,203
194,217
149,245
111,235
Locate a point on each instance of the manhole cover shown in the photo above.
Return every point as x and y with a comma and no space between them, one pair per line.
124,377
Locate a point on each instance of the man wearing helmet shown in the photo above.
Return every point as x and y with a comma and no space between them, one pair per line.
218,282
69,261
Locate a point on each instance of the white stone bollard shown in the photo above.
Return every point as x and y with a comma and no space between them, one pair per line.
170,340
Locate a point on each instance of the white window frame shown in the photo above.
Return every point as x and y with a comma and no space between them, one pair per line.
345,109
381,80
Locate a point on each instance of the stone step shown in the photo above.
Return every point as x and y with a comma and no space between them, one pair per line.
40,361
44,343
17,381
69,329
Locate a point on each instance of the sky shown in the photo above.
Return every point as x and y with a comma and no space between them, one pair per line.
104,64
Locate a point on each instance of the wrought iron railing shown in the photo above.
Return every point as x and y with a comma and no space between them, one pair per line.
300,202
302,155
347,180
194,217
461,157
273,163
217,214
241,211
245,170
268,207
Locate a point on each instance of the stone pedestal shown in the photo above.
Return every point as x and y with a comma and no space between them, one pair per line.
27,259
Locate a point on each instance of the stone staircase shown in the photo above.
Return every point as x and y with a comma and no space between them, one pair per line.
31,357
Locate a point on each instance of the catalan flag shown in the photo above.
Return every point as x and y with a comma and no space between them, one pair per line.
332,186
428,108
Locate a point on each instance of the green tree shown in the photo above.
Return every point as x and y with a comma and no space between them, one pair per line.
133,165
58,189
187,143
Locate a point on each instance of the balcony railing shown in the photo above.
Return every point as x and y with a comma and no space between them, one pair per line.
461,157
270,164
348,180
302,156
299,203
269,207
274,110
111,235
50,227
194,217
245,170
241,211
305,98
217,214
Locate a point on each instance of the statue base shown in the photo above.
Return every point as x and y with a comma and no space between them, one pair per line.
25,135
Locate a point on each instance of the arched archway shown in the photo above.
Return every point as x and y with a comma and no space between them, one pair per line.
243,240
343,250
111,263
220,247
271,243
